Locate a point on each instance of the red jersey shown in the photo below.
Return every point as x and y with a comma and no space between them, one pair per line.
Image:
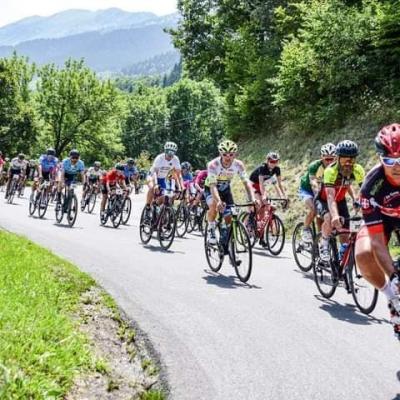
113,177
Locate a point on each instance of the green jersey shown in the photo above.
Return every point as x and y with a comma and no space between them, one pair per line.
316,168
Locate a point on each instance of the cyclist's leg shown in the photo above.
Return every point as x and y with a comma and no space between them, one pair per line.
326,229
308,200
104,194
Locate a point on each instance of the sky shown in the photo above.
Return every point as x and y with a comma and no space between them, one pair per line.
14,10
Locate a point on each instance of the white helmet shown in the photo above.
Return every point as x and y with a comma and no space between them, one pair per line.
171,146
328,149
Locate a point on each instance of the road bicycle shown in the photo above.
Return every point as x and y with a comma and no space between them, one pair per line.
89,201
197,218
264,225
114,210
328,276
68,204
160,219
40,199
232,240
14,185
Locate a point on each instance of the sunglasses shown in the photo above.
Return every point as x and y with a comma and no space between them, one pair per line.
329,159
389,161
228,154
74,158
273,161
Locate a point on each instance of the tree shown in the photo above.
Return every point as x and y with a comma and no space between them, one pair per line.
79,110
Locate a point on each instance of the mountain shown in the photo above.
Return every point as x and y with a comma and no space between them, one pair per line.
72,22
110,41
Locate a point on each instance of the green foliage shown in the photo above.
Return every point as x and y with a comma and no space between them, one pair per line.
18,122
79,110
41,351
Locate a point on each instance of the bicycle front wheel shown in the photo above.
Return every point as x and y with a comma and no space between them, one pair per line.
145,226
240,251
126,210
214,252
43,203
166,227
32,203
274,235
72,210
181,220
302,252
249,221
92,202
365,296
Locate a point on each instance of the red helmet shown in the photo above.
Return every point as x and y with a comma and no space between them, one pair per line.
387,141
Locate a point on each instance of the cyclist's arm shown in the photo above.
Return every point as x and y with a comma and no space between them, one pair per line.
263,192
332,204
279,185
249,190
315,185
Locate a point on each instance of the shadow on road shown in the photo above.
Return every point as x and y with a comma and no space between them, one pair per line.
65,225
265,253
159,249
226,282
306,275
347,312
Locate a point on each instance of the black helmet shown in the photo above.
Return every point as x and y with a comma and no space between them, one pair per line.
346,148
74,153
50,152
130,161
119,167
186,165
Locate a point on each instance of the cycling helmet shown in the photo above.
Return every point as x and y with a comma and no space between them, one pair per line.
346,148
328,149
227,146
119,167
32,162
21,156
50,152
97,164
74,153
7,159
171,146
272,155
186,165
387,141
130,161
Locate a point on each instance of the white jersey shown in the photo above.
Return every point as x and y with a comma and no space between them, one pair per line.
164,166
218,174
18,164
92,173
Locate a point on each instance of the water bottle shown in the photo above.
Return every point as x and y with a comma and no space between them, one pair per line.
342,250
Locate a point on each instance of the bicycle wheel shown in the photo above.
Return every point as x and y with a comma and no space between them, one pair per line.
323,272
214,252
72,210
32,203
116,213
274,235
11,192
181,220
43,203
240,251
250,223
365,296
59,209
92,202
166,227
84,202
192,215
145,227
302,252
126,210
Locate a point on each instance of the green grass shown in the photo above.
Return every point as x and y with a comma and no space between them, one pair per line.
40,349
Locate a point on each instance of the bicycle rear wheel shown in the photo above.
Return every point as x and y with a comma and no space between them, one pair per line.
365,296
126,210
302,252
166,227
214,252
323,272
72,210
274,235
240,251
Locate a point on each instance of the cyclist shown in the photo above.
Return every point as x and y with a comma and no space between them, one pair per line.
268,172
17,167
217,189
331,202
93,175
47,167
69,169
188,182
382,188
310,185
131,173
162,165
199,183
110,181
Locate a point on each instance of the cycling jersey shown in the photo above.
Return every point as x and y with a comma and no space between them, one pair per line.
164,166
201,178
71,169
93,174
187,177
376,188
113,177
222,176
48,163
333,178
265,171
316,168
18,165
130,171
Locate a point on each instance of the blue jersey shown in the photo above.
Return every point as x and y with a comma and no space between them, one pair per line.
130,171
70,169
48,163
187,177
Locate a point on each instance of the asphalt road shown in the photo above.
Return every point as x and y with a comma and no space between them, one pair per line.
218,338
